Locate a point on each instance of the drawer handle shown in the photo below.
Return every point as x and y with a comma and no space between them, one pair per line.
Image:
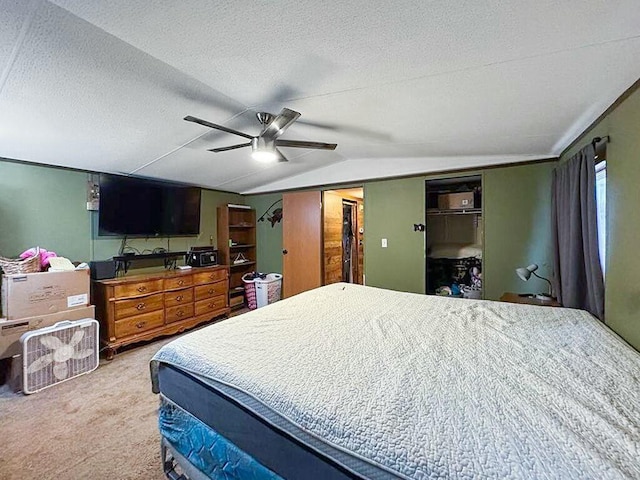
212,276
180,282
141,306
211,290
142,288
141,324
179,298
179,313
212,305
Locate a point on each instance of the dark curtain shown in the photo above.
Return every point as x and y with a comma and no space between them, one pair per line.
578,275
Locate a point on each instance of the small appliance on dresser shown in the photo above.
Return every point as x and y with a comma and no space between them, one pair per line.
202,257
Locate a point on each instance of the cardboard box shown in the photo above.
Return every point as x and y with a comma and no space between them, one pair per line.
455,201
12,330
33,294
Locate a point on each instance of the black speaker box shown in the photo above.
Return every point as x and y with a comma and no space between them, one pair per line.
103,269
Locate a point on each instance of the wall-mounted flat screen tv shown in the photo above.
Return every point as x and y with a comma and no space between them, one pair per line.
141,207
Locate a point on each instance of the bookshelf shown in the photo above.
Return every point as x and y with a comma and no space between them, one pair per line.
237,247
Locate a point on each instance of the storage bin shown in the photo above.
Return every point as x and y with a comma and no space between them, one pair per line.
472,292
268,290
456,201
12,266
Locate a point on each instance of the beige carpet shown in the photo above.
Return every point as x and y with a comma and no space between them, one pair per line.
102,425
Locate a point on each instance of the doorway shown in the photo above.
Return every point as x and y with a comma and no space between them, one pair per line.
343,235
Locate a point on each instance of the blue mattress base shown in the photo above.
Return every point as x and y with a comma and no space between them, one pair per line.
206,449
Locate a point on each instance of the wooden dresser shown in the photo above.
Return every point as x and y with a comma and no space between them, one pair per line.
142,307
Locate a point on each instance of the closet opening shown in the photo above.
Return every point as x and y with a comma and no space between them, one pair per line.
454,236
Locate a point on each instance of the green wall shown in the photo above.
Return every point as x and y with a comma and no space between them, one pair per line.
622,280
46,206
391,207
517,227
269,248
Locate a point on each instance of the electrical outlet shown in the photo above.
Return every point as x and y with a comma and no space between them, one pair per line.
384,243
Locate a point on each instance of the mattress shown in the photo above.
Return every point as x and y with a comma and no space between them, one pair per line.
430,387
238,420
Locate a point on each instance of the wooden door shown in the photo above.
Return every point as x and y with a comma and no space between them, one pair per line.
301,242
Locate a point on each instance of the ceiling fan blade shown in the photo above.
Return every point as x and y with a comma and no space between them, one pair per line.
232,147
189,118
305,144
348,129
281,157
279,124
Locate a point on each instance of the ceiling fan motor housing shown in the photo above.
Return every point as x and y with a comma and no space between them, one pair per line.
264,118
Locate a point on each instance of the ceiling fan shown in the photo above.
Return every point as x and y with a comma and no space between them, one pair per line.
264,146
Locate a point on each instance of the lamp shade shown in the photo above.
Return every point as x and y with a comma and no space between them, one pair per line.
525,272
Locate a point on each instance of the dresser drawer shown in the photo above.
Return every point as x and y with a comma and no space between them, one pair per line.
139,323
200,278
180,312
178,297
138,288
211,290
178,282
136,306
211,305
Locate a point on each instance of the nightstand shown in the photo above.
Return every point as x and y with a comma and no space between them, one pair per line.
511,297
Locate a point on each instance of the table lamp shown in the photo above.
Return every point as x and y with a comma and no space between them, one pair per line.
525,274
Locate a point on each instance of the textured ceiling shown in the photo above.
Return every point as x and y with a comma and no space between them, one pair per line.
403,87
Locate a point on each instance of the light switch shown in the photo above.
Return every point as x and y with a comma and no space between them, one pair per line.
384,243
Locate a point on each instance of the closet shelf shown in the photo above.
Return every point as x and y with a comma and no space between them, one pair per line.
467,211
241,264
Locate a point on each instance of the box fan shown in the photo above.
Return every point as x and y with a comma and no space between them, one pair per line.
54,354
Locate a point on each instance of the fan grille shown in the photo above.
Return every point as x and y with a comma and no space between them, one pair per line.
53,355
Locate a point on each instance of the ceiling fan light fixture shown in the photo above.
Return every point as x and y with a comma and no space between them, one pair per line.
264,156
263,151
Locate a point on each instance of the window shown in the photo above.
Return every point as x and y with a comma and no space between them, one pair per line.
601,210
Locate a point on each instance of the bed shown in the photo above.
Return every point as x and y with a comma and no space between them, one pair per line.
347,381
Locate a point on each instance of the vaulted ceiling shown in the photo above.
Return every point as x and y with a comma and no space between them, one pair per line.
402,87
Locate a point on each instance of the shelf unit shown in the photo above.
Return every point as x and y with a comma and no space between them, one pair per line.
237,238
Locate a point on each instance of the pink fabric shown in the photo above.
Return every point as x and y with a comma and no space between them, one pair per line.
45,255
